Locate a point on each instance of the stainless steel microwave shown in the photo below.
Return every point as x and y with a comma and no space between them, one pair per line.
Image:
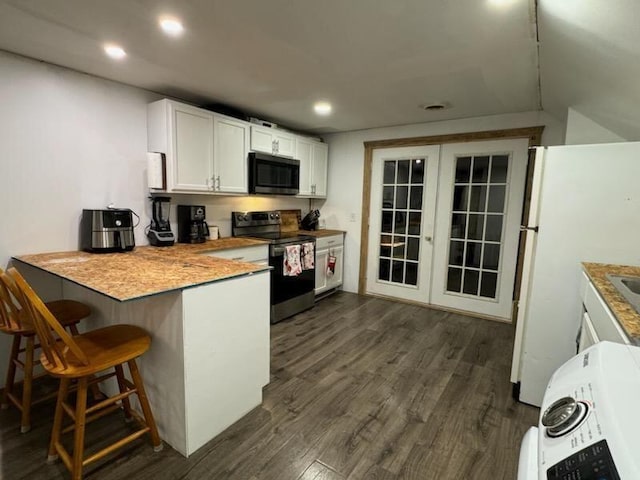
273,175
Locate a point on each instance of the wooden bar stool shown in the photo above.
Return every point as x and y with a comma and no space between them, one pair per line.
82,358
15,321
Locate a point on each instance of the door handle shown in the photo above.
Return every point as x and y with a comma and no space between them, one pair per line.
428,238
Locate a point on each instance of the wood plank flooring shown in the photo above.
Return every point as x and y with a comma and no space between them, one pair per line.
362,388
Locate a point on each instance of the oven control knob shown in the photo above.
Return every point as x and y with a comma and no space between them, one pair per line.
277,215
563,416
246,218
239,218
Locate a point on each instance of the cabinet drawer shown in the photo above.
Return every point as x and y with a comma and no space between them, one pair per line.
257,253
605,324
329,242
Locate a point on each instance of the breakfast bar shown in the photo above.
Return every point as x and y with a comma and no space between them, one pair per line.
208,318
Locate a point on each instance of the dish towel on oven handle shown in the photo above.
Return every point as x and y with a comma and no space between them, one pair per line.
308,256
291,265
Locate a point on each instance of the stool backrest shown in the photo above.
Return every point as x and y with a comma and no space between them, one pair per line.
10,313
47,327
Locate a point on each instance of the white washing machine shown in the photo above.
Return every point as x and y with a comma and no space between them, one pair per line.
589,426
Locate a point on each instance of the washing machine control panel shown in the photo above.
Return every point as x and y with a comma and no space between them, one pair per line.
591,463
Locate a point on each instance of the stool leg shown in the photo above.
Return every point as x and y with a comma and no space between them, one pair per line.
11,371
146,409
25,423
63,389
78,438
126,404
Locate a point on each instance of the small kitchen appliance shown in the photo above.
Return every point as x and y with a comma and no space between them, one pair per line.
192,224
589,426
104,231
159,232
289,294
270,174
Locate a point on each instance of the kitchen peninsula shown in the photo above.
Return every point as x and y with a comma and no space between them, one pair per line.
208,318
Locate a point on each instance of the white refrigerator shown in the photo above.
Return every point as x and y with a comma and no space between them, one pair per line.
585,203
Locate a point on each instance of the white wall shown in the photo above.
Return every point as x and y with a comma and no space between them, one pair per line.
67,141
581,130
70,141
343,206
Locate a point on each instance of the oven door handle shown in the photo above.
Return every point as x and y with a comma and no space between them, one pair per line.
279,250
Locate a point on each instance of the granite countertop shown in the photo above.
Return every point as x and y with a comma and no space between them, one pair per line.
146,270
628,318
321,233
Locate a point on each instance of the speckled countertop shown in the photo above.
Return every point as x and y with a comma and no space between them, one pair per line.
321,233
627,316
146,270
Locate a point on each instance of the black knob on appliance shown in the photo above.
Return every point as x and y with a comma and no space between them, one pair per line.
272,215
239,218
277,215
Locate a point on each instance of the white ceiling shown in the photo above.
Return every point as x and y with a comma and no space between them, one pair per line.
375,60
590,61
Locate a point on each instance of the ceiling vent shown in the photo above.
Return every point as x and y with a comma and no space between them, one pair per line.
432,107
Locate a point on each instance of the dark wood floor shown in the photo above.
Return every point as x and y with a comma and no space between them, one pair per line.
362,388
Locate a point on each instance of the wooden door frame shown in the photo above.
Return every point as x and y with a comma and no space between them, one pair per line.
534,134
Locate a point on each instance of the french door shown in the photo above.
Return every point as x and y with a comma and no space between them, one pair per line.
402,216
444,224
478,225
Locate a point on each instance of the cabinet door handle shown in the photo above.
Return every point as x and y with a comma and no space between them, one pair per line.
427,238
330,242
237,258
218,182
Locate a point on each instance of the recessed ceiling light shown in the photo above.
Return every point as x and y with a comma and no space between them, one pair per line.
114,51
501,3
322,108
171,26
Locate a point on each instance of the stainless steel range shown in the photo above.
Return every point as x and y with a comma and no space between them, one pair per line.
290,294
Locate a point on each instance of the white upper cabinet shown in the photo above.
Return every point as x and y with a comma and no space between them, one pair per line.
272,141
231,144
205,151
304,149
319,171
313,158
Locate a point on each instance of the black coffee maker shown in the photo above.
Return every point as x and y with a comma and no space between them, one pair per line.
192,225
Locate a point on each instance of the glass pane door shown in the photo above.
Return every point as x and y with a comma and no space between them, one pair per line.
399,244
477,219
481,193
404,184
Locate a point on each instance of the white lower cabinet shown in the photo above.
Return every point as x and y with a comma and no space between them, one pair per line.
205,151
598,321
326,247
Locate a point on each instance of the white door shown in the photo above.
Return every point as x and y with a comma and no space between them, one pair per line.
193,147
402,211
231,139
481,191
320,164
303,154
